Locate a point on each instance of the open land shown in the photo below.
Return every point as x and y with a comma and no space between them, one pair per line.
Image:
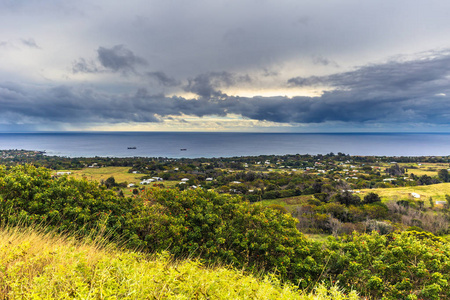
306,219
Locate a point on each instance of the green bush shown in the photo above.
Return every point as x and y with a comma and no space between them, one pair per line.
407,265
216,228
222,228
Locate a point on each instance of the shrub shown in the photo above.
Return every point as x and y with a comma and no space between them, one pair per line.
222,228
408,265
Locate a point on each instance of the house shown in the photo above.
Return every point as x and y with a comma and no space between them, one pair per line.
147,181
63,173
415,195
130,185
209,179
184,179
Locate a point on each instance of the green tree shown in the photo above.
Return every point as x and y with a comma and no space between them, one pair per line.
371,198
444,175
110,182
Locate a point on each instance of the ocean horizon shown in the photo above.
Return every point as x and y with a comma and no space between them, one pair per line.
226,144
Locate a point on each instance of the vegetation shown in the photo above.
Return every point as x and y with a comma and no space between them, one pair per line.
249,214
46,266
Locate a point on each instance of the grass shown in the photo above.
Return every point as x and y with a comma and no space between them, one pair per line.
120,174
34,265
430,169
436,191
290,203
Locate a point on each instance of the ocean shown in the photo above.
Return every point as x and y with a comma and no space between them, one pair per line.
226,144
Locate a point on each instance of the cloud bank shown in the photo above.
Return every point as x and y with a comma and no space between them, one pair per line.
413,91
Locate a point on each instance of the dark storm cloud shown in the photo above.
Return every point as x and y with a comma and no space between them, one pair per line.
412,78
115,59
415,91
119,59
163,79
207,85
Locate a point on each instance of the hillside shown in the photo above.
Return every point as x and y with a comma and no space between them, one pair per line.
47,266
215,229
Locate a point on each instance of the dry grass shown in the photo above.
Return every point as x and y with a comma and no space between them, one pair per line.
436,191
120,174
44,266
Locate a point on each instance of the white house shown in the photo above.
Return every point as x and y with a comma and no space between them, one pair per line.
184,179
63,173
147,181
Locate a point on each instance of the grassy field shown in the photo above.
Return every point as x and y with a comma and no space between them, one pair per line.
436,191
430,169
47,266
120,174
289,203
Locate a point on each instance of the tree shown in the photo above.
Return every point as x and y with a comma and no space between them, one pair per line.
395,170
347,198
110,182
444,175
371,198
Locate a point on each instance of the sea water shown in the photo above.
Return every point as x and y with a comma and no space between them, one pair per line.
226,144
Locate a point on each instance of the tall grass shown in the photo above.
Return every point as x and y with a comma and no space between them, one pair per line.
39,265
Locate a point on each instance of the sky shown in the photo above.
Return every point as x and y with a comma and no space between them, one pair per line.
235,65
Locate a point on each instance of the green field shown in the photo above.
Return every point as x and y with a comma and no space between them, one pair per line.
429,169
436,191
120,174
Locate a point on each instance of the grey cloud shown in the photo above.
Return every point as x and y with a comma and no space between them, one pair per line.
415,91
270,73
83,66
119,58
410,77
207,85
320,60
30,43
163,79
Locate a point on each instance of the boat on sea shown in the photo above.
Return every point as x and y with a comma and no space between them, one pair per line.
183,149
131,147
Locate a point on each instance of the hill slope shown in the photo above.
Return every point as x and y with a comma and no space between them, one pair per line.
45,266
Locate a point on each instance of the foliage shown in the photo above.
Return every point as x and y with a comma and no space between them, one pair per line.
223,228
408,265
31,195
214,227
220,228
371,198
43,266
